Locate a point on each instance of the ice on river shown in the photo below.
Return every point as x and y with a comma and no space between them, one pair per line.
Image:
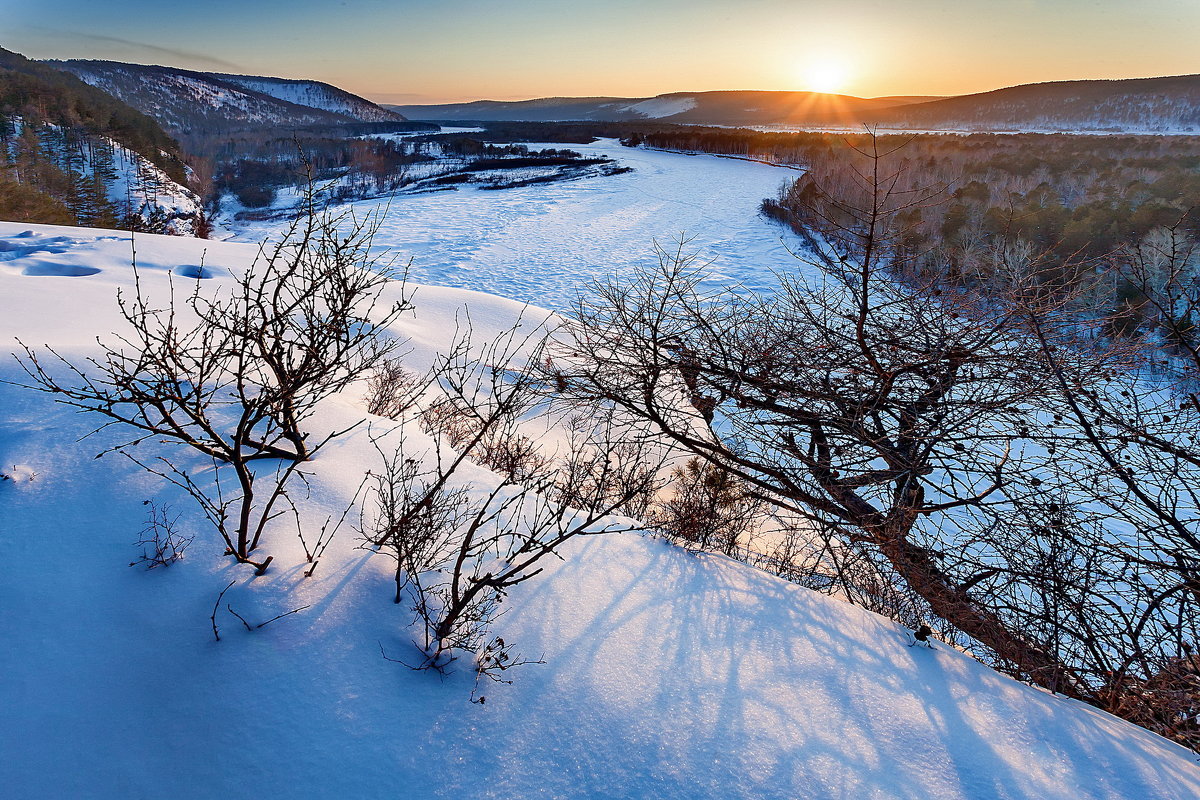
543,244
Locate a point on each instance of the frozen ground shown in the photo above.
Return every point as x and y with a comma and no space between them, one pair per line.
543,244
667,675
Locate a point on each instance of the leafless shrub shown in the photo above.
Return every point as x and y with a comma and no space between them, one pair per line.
607,461
444,418
493,662
459,551
160,541
709,509
411,515
234,378
392,389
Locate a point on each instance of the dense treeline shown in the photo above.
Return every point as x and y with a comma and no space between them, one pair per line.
254,167
59,140
1088,211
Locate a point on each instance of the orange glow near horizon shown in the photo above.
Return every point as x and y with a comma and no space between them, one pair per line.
395,52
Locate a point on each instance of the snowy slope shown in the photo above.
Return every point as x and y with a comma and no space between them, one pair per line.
141,187
314,94
667,675
658,107
187,101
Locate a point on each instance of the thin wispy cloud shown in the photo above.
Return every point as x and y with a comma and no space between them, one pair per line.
149,50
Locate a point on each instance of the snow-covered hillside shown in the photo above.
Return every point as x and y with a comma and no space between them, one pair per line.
315,94
142,188
129,181
657,107
198,102
667,674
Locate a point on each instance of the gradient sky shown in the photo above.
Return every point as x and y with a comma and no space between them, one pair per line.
431,51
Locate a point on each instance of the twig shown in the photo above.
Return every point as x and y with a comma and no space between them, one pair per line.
239,616
281,616
216,605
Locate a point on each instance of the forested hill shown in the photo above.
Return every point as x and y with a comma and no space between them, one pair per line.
192,104
1150,105
73,154
40,94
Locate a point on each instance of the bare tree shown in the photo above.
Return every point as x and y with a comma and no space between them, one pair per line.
235,378
956,459
460,549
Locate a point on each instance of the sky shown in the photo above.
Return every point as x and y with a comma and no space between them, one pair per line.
429,51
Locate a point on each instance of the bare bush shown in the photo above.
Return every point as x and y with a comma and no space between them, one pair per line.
235,378
392,389
458,550
710,509
160,541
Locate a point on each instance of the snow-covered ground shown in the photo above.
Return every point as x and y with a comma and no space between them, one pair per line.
657,107
543,244
667,674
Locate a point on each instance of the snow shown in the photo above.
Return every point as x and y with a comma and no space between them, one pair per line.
313,94
657,107
542,244
141,185
667,674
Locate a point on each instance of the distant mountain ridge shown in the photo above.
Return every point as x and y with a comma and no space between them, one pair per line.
699,108
189,102
1134,105
1151,105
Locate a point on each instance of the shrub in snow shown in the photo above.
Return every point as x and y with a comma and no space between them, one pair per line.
160,542
234,377
459,549
710,508
392,388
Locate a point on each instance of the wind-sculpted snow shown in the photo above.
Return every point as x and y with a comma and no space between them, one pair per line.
667,675
543,244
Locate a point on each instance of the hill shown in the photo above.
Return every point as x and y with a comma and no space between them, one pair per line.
1137,105
1145,105
198,103
701,108
314,94
76,154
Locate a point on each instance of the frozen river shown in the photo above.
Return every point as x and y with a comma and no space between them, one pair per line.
542,244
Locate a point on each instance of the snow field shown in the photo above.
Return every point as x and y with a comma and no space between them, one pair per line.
667,675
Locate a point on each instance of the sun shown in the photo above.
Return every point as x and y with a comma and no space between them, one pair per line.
826,75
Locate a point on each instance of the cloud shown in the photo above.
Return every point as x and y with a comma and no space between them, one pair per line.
151,50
